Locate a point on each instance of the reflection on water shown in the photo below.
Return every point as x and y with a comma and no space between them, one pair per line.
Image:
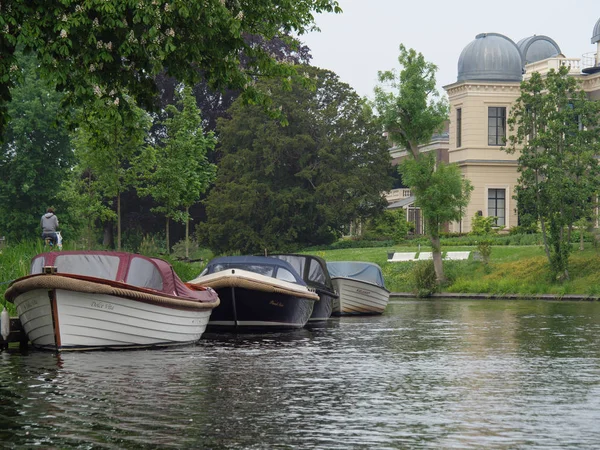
427,374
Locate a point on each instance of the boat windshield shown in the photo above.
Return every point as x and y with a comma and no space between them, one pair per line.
269,271
93,265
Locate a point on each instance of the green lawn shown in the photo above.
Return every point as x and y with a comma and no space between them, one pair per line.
511,270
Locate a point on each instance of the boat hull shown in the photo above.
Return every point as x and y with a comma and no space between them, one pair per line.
253,310
358,297
322,309
62,320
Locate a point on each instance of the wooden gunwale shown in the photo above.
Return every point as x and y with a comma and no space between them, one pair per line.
78,283
240,281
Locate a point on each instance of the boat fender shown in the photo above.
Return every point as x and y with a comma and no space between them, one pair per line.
4,324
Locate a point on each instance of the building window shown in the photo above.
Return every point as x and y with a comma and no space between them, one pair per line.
458,127
496,125
497,205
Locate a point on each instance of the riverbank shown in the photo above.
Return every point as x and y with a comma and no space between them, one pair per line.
513,271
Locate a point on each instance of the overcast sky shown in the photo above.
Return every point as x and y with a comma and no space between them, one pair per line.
365,37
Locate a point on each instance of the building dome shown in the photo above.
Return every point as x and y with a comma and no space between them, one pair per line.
596,33
537,48
490,57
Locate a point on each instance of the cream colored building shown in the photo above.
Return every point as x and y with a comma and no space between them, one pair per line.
490,70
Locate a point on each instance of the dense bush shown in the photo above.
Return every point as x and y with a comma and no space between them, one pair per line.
481,225
423,279
351,243
472,240
390,225
522,229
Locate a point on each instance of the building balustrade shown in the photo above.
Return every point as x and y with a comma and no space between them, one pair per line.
396,195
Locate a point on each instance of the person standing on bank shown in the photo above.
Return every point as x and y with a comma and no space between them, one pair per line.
49,224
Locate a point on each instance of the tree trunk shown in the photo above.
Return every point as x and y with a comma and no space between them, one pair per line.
167,237
119,221
437,258
109,238
545,239
187,232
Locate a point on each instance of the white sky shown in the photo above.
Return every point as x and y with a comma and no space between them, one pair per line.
365,37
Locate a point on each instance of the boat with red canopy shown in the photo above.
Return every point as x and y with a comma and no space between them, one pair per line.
82,300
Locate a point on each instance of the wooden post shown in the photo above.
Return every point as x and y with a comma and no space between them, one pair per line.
17,334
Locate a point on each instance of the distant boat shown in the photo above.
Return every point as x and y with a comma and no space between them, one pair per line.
360,286
313,271
257,293
84,300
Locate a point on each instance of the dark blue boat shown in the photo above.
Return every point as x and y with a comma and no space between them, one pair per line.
257,293
313,271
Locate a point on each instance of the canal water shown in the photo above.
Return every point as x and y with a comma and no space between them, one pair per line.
427,374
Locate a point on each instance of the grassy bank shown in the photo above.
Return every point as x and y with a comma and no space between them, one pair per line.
511,270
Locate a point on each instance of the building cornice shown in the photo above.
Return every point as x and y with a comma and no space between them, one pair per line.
466,87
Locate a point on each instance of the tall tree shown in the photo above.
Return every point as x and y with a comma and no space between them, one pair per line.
558,140
111,145
280,187
411,116
120,45
182,172
36,154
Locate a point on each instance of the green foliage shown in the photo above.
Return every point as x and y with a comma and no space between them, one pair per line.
279,187
482,226
15,260
423,278
152,245
440,190
182,172
84,207
473,240
413,114
351,243
35,157
484,247
114,47
388,225
109,144
411,117
558,139
530,228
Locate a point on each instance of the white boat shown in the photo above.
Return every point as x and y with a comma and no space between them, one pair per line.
108,300
360,287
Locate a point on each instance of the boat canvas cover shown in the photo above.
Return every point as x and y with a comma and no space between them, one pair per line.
369,272
132,269
312,269
263,265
